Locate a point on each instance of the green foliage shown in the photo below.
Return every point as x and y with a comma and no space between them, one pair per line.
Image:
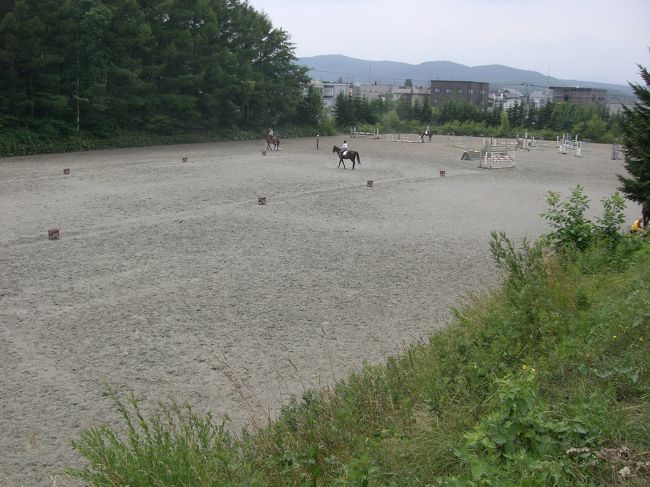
521,439
351,110
504,124
518,266
609,226
636,130
99,69
570,227
572,230
178,447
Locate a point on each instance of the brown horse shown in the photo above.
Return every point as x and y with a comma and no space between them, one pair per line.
272,143
350,154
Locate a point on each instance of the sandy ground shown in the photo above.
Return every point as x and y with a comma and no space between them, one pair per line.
170,280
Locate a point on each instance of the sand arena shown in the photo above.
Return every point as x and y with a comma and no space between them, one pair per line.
170,280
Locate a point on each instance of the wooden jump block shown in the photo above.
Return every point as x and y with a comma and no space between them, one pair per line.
66,170
370,183
53,234
442,173
263,152
261,200
184,159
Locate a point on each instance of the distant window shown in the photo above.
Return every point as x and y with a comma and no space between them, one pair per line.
470,91
448,90
436,90
482,92
459,91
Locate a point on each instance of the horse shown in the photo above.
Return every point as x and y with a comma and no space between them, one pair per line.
350,154
426,133
272,141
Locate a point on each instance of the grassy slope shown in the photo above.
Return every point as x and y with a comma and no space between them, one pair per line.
542,382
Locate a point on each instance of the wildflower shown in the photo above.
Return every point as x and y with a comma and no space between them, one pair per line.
525,367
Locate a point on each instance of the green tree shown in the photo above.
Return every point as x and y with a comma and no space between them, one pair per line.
562,117
344,110
426,112
310,108
595,128
504,124
636,131
403,108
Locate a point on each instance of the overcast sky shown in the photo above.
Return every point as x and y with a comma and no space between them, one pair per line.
587,40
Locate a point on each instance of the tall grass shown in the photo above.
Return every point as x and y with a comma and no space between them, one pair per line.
543,381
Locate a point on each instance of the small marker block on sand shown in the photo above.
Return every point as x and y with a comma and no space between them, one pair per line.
261,200
184,159
442,174
66,170
53,234
370,183
263,152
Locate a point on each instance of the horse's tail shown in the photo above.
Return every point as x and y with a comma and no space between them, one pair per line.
358,158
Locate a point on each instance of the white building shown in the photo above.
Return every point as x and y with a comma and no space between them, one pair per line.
329,91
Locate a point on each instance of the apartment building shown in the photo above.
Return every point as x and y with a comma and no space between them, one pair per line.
475,92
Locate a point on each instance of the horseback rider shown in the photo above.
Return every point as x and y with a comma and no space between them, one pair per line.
270,132
344,148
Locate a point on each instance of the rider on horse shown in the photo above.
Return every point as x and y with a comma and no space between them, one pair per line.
344,148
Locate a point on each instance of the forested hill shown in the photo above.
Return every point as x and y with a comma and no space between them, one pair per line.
106,66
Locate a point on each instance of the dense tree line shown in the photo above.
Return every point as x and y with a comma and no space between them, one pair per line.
590,121
161,66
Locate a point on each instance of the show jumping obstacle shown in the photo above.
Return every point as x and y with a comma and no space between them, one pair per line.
184,159
372,135
442,173
66,170
370,183
495,155
53,234
567,143
261,200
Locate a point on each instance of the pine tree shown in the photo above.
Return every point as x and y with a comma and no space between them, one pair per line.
636,134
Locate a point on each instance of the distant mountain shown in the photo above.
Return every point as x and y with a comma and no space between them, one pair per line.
333,67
